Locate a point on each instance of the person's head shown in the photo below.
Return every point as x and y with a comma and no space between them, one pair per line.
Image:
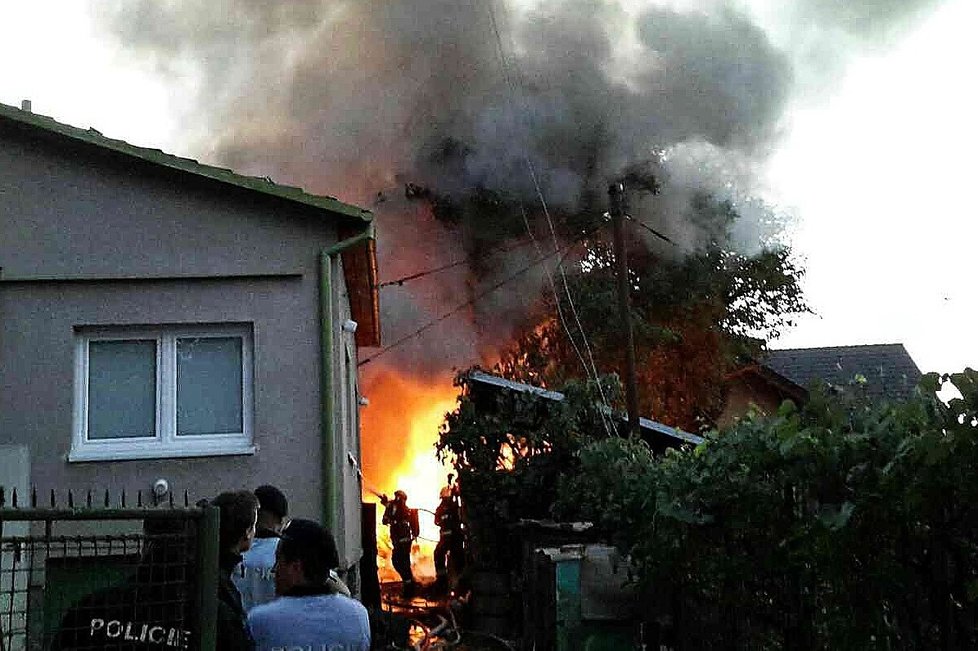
400,496
239,514
305,555
273,508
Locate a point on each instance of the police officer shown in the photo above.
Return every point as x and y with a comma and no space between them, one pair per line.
309,613
397,516
239,520
148,611
254,578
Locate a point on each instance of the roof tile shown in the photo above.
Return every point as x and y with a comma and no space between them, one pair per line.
889,370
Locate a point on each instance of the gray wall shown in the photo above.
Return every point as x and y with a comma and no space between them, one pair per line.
74,225
347,425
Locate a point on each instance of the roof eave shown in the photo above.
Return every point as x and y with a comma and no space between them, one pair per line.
264,186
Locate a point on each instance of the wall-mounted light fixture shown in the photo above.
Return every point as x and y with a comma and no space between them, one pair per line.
161,488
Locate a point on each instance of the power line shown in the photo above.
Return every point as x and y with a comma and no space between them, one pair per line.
421,274
639,222
592,371
473,300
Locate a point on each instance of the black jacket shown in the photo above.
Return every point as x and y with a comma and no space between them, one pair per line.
447,517
144,613
232,620
398,516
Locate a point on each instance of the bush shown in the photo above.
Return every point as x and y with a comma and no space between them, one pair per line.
842,525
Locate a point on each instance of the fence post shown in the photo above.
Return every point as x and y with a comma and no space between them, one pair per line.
207,573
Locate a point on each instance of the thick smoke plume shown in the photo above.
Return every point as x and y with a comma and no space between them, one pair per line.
508,101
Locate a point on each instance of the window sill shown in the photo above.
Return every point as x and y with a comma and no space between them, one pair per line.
119,454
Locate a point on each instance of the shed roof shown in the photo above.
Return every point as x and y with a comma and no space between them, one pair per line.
889,370
649,426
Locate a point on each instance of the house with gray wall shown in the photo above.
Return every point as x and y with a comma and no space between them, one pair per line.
161,319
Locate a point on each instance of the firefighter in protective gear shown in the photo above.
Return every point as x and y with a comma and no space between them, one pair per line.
397,516
450,549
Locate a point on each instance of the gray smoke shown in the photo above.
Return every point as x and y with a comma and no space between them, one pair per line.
821,37
876,21
356,98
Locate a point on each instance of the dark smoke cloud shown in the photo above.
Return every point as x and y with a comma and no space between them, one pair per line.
356,98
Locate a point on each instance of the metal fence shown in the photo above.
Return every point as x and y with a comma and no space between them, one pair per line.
104,575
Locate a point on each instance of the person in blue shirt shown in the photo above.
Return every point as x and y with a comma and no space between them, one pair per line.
254,577
309,613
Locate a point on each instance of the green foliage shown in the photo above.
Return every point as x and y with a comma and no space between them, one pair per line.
694,318
510,450
843,525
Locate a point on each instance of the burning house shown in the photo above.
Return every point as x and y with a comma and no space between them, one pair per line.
482,136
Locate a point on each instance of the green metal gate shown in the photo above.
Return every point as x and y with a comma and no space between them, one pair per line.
103,575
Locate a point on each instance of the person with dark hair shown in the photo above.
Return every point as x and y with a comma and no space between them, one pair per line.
309,612
239,518
254,578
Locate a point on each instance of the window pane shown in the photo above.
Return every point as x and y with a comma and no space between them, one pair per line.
122,389
209,385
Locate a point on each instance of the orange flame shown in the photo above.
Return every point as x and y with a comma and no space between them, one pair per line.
399,431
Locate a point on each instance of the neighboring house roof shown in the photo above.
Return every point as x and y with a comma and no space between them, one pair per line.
664,433
888,369
360,264
784,386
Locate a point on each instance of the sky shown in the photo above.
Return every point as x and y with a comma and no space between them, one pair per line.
873,166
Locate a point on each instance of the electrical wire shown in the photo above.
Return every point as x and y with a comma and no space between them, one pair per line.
592,371
557,305
502,248
639,222
471,301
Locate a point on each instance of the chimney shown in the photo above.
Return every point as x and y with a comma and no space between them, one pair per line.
25,105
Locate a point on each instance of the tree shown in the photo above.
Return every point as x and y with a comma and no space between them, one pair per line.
509,450
694,318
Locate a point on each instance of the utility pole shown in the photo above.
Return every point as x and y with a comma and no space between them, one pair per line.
616,195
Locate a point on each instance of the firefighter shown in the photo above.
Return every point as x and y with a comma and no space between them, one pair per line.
449,551
398,517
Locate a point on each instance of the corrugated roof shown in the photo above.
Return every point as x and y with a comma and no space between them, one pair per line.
889,370
503,383
645,423
158,157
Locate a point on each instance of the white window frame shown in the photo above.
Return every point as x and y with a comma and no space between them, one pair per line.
165,444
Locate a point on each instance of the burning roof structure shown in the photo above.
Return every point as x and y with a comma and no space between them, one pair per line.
659,436
482,135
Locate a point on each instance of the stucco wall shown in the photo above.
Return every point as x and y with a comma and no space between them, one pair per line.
74,226
347,426
72,213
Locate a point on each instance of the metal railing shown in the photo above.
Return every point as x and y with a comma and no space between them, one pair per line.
99,574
